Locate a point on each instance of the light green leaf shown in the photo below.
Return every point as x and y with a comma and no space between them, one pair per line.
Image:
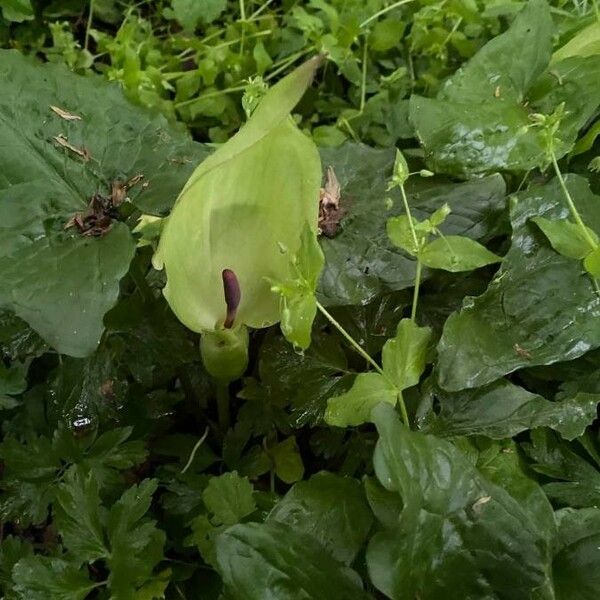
229,498
457,253
273,560
400,234
585,43
17,10
458,535
189,13
566,237
405,356
355,406
42,577
508,327
253,195
287,462
330,508
401,171
298,300
592,263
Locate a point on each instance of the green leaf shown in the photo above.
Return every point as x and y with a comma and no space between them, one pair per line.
305,380
585,43
60,282
405,356
253,195
400,234
259,561
12,550
331,509
401,171
502,409
135,543
576,564
229,498
577,480
361,262
17,10
479,124
13,381
456,253
355,406
592,263
41,577
78,517
189,12
508,327
458,535
566,237
298,301
287,462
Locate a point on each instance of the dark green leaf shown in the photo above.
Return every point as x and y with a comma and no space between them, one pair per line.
41,577
501,409
509,326
274,560
458,535
330,508
360,261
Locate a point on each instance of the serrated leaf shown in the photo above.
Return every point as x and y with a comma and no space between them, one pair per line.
78,517
355,406
566,237
229,498
41,577
259,561
456,253
404,357
330,508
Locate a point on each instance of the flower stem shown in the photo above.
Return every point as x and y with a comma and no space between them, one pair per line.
383,11
413,232
413,312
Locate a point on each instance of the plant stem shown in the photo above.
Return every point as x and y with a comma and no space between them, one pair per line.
383,11
231,90
363,85
223,405
243,22
571,203
194,450
88,25
350,339
413,312
403,410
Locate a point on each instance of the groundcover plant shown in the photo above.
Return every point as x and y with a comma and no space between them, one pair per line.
299,300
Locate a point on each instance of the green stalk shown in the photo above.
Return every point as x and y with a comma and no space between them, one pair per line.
413,312
88,25
356,346
363,86
415,301
383,11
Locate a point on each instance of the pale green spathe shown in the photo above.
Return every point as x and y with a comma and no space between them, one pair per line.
251,197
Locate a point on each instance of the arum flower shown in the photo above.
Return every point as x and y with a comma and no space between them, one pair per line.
221,246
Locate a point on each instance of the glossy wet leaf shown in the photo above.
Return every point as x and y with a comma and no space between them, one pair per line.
566,237
576,564
61,283
360,261
330,508
509,326
457,253
479,122
502,409
458,535
255,194
272,559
